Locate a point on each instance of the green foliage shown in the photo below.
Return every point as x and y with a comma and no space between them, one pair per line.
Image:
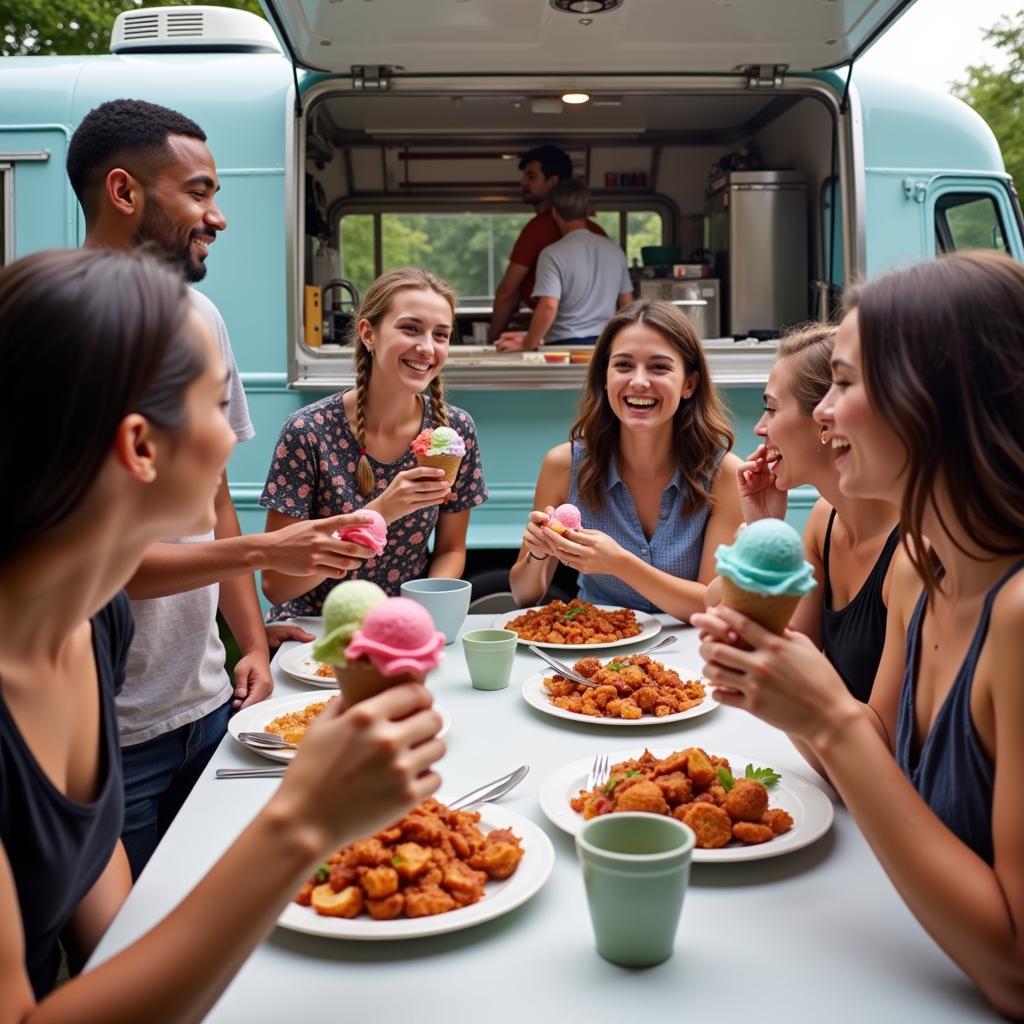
998,95
76,26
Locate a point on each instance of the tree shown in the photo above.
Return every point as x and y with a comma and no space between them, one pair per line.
31,27
998,95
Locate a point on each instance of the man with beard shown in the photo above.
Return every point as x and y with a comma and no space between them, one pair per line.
144,175
543,168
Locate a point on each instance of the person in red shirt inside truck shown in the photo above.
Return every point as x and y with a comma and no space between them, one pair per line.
543,168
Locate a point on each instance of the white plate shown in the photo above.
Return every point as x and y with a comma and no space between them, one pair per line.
537,697
500,897
810,807
256,717
649,626
299,663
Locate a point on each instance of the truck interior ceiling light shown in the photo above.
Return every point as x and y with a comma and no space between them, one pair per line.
586,6
575,98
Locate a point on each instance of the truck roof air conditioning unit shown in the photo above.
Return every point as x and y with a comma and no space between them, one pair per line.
188,29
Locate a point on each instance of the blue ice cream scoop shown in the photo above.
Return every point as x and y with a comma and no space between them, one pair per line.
767,557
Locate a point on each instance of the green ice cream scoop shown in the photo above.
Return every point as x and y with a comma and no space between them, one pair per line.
345,607
767,558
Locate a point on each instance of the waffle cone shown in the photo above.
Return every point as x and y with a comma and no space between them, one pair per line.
771,611
361,679
449,463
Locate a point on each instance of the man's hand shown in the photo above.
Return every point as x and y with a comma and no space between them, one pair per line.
278,633
253,681
511,341
309,547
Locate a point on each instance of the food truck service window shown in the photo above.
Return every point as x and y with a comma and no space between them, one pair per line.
968,220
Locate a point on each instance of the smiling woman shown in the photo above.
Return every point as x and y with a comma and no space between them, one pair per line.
351,450
648,464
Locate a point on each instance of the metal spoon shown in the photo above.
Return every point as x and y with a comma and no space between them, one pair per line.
268,740
575,677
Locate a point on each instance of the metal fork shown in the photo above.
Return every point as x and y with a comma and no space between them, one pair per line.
575,677
599,771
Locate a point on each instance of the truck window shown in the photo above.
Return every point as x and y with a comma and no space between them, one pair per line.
6,214
968,220
469,249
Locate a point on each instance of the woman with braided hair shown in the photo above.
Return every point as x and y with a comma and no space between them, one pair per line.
351,451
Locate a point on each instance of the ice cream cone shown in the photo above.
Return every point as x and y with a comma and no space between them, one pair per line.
449,463
360,679
773,611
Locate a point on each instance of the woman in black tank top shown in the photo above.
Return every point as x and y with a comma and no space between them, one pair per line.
131,448
849,541
925,411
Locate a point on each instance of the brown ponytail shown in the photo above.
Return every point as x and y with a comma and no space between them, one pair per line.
365,479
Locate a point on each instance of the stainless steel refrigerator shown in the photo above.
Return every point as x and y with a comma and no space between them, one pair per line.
756,229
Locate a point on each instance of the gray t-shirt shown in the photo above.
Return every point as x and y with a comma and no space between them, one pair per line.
586,273
175,669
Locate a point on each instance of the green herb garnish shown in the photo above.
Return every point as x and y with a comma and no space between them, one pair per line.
725,778
396,860
766,775
633,773
573,612
615,666
609,786
322,874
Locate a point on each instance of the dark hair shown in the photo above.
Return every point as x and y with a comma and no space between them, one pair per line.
810,347
570,198
942,348
554,162
701,425
103,332
376,302
120,131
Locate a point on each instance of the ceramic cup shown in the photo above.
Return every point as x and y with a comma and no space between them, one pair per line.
489,655
446,600
635,871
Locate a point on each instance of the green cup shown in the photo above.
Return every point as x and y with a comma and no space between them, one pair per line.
489,655
635,870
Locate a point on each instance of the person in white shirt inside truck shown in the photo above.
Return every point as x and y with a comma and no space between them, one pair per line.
581,279
543,168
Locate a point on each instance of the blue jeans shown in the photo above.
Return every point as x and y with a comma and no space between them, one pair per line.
158,775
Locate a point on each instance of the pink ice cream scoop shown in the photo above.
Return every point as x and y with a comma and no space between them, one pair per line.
398,635
565,517
373,535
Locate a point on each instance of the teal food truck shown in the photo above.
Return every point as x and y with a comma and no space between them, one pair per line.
729,143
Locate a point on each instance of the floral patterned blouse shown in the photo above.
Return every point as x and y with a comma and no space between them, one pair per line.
313,476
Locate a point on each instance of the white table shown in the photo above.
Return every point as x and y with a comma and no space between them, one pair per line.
817,935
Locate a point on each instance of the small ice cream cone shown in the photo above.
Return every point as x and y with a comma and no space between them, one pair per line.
360,679
449,463
771,611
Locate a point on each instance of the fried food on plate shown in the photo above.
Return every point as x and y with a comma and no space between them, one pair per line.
630,687
578,622
432,861
293,725
696,787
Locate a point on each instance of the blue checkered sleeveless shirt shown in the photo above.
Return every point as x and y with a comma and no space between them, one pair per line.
675,547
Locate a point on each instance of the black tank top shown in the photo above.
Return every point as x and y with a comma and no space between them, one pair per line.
951,771
852,638
58,847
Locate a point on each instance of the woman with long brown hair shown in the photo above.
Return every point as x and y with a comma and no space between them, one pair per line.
130,449
648,466
350,451
850,541
925,411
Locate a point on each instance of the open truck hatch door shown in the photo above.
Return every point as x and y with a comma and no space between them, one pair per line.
592,37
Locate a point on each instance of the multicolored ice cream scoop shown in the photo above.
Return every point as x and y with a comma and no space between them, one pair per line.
439,441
